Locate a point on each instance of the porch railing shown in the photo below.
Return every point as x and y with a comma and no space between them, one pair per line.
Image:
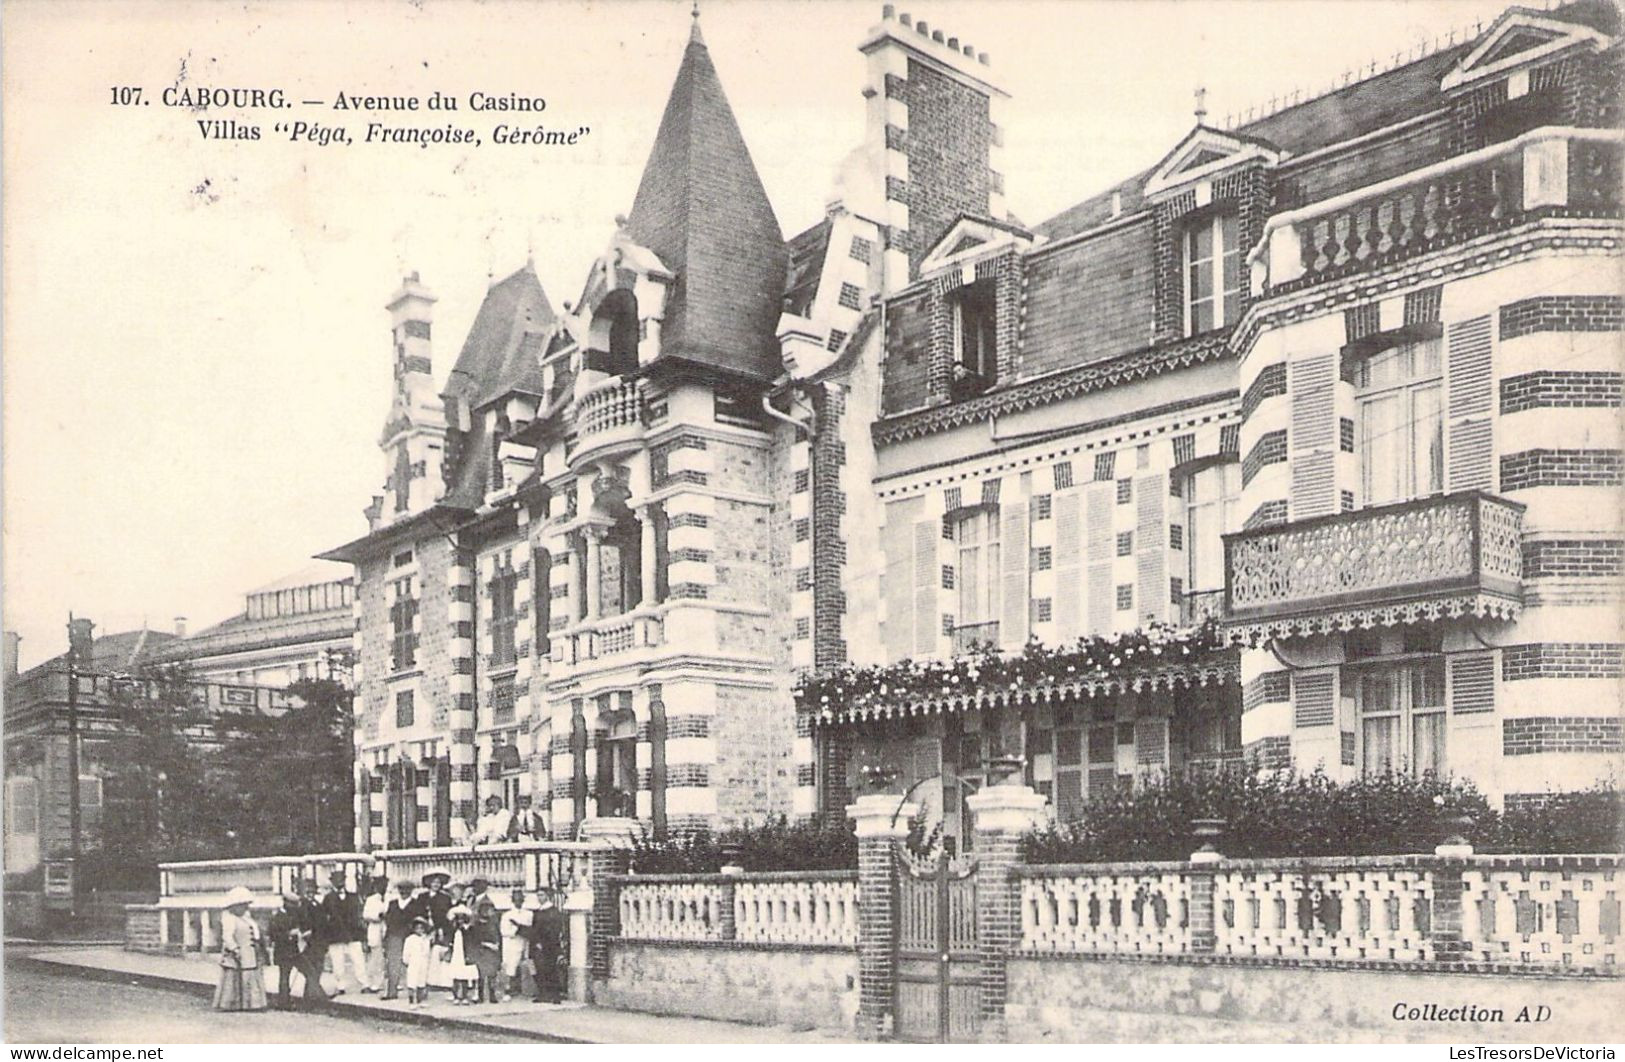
530,865
815,909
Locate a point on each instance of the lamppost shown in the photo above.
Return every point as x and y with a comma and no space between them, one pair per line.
79,640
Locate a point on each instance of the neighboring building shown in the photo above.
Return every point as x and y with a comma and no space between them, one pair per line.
38,706
1269,382
299,627
1371,340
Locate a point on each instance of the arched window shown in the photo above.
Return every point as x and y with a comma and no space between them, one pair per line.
612,342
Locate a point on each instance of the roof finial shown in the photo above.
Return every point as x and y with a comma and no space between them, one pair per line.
1201,103
694,36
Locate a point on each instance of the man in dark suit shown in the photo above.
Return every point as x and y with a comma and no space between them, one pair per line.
486,934
549,949
314,956
288,935
400,910
345,931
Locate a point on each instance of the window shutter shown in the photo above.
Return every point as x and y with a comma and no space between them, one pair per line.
1469,435
1313,436
1150,748
1098,505
1069,768
1068,565
578,761
1314,697
1150,538
927,580
898,545
1013,591
442,801
1472,683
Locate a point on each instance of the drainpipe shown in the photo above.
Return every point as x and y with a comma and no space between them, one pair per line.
780,386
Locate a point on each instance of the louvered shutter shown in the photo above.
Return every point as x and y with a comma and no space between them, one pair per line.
1150,748
1098,552
1102,759
1068,565
1150,541
1472,683
927,581
1312,436
1469,434
1015,600
1314,698
442,801
1069,768
898,545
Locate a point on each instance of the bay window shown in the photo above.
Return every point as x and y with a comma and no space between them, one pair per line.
1212,273
1400,394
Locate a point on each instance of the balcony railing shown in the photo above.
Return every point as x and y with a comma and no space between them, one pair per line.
970,637
1199,606
610,636
1451,555
1577,170
611,414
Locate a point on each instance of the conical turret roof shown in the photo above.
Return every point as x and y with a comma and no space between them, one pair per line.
701,207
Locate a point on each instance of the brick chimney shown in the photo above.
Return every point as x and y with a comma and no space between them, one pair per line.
180,626
933,138
81,639
12,645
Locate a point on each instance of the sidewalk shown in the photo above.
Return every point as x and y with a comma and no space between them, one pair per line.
550,1022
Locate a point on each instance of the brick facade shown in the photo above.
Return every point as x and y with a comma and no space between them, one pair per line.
1563,313
949,134
1590,660
1573,558
1561,468
1530,735
1552,389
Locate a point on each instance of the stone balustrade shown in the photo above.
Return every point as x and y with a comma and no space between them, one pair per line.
610,636
557,866
611,415
814,909
1480,913
1574,170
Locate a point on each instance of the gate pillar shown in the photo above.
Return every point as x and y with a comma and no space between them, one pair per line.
881,820
1002,814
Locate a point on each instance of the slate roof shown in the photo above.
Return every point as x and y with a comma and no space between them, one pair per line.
1354,110
807,253
701,207
510,305
114,653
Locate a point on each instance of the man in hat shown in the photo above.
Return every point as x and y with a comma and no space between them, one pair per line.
494,826
515,929
345,932
547,948
485,933
401,910
313,959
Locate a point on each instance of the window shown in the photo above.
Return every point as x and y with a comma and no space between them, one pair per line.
978,568
90,792
403,650
976,366
1210,494
1401,442
1402,718
404,709
22,806
1212,274
502,701
504,619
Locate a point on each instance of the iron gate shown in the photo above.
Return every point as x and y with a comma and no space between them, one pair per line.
938,995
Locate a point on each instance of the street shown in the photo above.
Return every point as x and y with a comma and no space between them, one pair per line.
42,1007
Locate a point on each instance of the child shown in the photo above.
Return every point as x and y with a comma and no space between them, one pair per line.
465,976
415,957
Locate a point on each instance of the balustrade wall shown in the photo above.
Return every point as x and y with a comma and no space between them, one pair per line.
793,909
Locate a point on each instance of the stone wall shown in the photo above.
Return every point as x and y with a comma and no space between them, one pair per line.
802,988
1091,1000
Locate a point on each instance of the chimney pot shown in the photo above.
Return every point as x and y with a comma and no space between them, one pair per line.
923,27
906,19
981,57
180,626
12,647
969,52
888,12
953,42
936,35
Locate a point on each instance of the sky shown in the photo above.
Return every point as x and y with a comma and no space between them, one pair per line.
196,358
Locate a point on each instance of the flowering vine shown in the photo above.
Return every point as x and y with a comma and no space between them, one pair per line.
1037,665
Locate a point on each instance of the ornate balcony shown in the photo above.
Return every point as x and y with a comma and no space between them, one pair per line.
1570,172
1447,556
609,420
1198,606
969,637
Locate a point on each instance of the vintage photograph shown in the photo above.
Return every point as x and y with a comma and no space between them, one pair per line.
778,522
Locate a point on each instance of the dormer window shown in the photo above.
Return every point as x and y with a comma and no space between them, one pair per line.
1212,273
976,364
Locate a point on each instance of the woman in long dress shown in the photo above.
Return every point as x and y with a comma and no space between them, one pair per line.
242,981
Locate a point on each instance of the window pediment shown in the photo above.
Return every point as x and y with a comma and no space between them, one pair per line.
1204,153
1518,39
969,240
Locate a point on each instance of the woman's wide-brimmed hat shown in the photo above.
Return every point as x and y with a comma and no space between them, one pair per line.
424,922
443,875
239,896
